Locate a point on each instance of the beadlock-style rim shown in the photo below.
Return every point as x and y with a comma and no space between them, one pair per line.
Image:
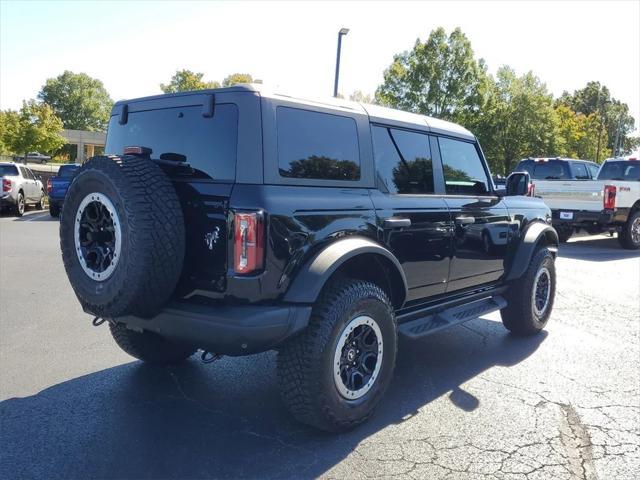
97,236
541,291
358,357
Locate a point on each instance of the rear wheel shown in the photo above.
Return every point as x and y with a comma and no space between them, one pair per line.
530,298
54,210
334,374
40,204
629,236
149,347
20,205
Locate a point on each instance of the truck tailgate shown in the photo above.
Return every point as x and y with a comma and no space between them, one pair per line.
571,194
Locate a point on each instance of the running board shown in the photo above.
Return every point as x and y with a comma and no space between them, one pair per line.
435,322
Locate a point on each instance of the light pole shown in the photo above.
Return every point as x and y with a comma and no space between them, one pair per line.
343,31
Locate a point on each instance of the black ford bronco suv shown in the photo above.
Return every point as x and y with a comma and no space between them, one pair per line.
237,221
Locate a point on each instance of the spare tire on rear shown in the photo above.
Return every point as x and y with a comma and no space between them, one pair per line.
122,236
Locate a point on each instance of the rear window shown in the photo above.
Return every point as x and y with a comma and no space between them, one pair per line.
317,145
626,171
8,170
546,170
67,171
209,143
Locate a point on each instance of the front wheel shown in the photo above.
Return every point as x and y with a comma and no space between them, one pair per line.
530,298
335,373
629,236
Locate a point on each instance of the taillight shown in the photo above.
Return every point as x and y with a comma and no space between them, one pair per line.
248,242
6,185
49,185
609,197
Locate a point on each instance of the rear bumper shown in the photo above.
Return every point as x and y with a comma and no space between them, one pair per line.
228,330
7,201
581,218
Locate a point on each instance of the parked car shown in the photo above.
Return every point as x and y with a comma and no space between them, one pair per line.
57,187
19,188
611,203
237,221
33,157
546,170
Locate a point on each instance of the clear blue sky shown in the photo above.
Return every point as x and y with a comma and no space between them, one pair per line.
134,46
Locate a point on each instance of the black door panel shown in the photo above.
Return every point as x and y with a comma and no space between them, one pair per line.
423,247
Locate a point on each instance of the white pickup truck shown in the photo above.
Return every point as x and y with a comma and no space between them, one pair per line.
608,203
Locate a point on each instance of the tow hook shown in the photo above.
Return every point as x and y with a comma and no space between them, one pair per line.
209,357
97,321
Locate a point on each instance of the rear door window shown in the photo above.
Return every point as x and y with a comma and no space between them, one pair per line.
403,160
464,173
8,170
317,145
551,170
208,143
580,171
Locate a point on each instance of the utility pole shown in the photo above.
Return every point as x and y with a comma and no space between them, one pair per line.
343,31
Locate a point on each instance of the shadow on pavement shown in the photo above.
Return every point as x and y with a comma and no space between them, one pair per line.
225,420
596,249
30,215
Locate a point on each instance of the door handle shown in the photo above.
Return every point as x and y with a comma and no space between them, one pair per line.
465,220
397,222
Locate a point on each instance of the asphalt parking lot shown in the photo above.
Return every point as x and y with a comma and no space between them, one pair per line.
471,402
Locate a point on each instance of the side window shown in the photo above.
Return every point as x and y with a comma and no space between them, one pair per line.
464,173
580,171
403,160
593,170
24,173
317,145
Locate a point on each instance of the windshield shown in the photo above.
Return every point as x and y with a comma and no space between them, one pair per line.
627,170
67,171
8,170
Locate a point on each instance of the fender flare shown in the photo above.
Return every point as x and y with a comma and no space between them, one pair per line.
308,283
527,247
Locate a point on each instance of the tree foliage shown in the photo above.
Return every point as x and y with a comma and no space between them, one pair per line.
81,102
236,78
613,117
517,121
34,128
185,81
439,77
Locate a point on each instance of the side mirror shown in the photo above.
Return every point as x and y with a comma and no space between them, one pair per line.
519,183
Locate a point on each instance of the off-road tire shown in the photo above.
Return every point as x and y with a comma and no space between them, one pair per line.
54,210
625,236
149,347
152,237
306,362
40,204
520,317
21,206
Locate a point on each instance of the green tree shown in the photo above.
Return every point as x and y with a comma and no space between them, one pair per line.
439,77
236,78
34,128
360,96
9,120
517,121
614,120
186,81
577,133
81,102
